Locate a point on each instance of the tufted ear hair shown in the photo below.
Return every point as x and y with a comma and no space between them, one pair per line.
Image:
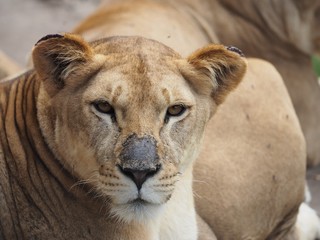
57,57
215,70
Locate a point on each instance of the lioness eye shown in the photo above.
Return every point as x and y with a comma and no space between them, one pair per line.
176,110
103,107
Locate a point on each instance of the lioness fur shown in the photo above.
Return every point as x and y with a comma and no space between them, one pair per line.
226,198
72,165
224,180
287,34
7,66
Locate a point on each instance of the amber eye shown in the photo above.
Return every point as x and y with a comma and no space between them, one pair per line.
176,110
103,107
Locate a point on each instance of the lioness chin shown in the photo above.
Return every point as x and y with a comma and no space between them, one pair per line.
98,141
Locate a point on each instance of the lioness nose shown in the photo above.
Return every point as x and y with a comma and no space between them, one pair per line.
139,159
139,177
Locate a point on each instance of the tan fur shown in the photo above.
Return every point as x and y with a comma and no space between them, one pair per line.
241,181
63,173
286,33
7,66
245,176
226,197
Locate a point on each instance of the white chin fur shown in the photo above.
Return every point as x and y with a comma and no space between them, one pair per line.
141,212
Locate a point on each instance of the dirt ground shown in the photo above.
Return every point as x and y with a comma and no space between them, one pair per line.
23,22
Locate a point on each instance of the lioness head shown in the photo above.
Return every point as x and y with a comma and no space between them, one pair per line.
126,115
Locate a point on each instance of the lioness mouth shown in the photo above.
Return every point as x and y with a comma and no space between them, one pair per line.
139,201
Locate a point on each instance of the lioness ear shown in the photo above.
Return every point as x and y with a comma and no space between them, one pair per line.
215,70
56,57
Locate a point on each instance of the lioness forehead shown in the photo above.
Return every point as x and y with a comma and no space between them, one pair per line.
144,66
137,58
133,45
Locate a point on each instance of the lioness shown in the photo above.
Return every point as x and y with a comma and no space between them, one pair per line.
234,171
184,25
77,183
98,141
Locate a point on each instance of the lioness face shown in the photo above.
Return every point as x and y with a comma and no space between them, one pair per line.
126,115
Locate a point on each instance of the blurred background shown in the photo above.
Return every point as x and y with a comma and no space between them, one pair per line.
24,22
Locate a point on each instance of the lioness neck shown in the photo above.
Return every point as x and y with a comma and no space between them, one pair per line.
179,219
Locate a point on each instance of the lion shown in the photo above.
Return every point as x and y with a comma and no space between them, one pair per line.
286,33
67,176
187,25
98,141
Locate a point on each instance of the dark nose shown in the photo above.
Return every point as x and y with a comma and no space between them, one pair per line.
139,177
139,159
